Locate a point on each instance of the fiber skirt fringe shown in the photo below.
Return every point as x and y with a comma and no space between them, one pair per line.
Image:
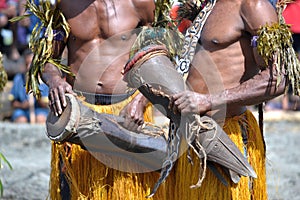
90,179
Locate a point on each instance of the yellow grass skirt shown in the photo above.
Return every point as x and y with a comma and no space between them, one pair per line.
90,179
212,188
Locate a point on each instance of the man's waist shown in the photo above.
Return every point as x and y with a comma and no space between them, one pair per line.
104,99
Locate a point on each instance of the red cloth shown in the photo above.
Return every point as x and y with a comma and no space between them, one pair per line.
2,4
184,24
292,15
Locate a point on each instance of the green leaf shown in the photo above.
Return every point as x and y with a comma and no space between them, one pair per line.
18,18
2,157
1,188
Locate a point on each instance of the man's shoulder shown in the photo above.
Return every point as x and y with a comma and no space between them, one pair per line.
257,13
255,4
143,5
145,8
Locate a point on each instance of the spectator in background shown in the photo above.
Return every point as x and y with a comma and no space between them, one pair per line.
3,17
8,10
292,17
26,107
25,26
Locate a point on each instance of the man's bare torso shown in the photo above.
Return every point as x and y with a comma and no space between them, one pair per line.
100,40
226,58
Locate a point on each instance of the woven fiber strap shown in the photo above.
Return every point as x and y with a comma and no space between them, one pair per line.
192,37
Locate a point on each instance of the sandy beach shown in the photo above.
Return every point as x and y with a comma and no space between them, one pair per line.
28,150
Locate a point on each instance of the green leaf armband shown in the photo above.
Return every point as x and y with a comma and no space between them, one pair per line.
54,27
275,45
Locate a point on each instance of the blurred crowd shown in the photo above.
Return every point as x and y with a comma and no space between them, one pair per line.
14,37
19,106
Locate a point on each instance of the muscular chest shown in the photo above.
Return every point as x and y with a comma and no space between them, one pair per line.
102,19
223,27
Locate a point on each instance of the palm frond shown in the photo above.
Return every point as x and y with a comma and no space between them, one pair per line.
41,40
275,45
3,159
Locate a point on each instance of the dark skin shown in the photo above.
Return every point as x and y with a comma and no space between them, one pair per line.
98,52
227,74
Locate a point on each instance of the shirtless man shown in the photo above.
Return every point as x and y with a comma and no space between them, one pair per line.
101,36
98,48
101,28
238,63
226,76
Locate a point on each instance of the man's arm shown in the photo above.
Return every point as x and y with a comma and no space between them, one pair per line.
261,87
53,77
145,9
134,112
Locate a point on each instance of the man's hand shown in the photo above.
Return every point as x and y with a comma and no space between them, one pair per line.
58,87
190,102
25,105
134,113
